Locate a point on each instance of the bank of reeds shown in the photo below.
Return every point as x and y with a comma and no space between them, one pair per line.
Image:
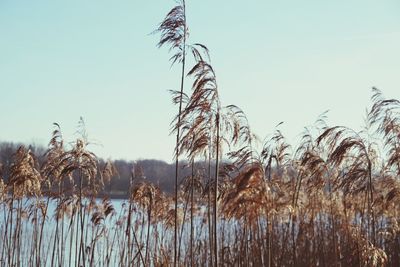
331,200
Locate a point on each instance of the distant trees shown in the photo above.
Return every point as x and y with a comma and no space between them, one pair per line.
157,172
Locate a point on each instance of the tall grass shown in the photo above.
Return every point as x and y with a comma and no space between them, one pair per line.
331,200
173,31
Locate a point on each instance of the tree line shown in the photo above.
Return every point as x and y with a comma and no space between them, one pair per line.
158,172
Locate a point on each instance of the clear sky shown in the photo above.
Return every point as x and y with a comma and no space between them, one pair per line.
277,60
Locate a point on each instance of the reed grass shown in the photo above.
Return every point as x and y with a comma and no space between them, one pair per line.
331,200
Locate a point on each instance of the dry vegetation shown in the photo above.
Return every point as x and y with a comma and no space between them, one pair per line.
333,200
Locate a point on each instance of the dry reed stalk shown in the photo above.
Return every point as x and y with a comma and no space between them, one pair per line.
174,32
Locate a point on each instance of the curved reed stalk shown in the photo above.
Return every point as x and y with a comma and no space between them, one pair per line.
354,155
81,163
25,180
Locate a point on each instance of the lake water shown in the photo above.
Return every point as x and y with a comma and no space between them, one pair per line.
104,243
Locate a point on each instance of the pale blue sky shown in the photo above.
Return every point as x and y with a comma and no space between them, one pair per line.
278,60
